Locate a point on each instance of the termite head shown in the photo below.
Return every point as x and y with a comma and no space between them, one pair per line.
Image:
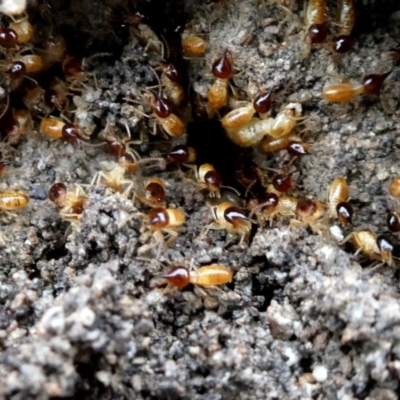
57,193
154,192
282,182
173,72
262,103
386,248
317,33
298,149
344,212
227,214
342,44
393,221
8,38
222,67
373,83
178,276
72,67
160,218
182,154
161,106
266,205
309,210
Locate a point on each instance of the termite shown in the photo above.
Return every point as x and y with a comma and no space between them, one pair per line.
222,70
342,92
347,18
238,117
206,276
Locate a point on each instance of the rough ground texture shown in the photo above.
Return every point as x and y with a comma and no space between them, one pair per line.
81,315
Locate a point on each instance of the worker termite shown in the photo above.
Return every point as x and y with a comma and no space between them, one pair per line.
208,178
232,219
338,201
193,46
56,95
33,98
265,208
11,200
315,19
114,179
163,225
206,276
152,193
33,62
238,117
309,213
57,129
24,30
222,70
342,92
54,50
270,145
253,131
75,70
347,18
72,202
15,124
366,242
168,121
172,75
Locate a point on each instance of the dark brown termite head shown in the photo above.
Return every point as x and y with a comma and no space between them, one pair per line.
57,193
222,67
306,208
235,215
17,70
71,133
155,191
178,276
282,182
161,106
268,202
386,248
393,221
298,149
72,66
317,33
8,38
116,148
213,180
345,213
342,44
158,218
173,72
183,154
372,84
262,103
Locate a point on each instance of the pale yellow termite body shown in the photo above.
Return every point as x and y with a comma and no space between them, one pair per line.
211,275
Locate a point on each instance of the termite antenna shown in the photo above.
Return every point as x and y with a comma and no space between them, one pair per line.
231,188
7,105
87,60
158,80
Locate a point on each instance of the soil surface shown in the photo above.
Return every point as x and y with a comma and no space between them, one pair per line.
82,314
